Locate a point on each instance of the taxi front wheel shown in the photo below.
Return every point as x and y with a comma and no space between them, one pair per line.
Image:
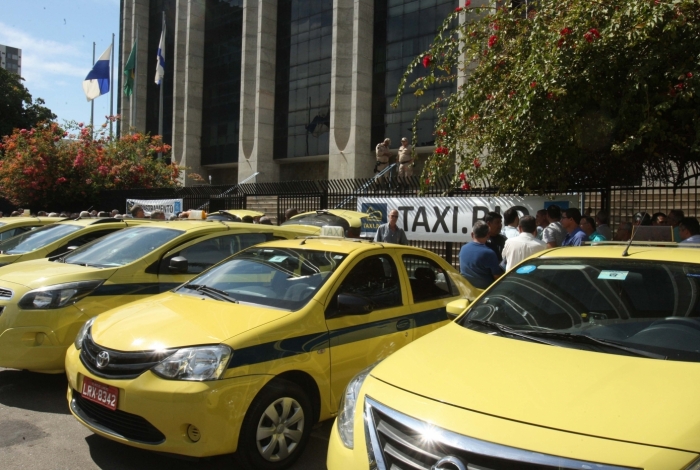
276,427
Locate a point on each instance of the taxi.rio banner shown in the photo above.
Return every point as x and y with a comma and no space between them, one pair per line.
449,219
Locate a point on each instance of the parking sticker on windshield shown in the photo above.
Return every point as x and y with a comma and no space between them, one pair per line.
613,275
277,259
526,269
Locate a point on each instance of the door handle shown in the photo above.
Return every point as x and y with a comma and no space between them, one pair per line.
402,325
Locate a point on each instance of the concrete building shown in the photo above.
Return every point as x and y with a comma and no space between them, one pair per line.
288,89
11,59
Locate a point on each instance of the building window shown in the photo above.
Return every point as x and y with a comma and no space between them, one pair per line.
402,30
303,78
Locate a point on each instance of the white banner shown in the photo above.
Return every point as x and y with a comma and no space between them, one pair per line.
169,206
449,219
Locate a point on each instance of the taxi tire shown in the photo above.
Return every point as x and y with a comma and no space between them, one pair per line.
278,393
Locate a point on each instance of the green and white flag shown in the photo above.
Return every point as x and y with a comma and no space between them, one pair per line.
130,70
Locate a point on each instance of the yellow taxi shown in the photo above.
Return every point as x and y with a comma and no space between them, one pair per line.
45,302
351,221
251,354
59,238
13,226
578,358
234,215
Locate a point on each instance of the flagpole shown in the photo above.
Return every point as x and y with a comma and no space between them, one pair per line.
111,88
160,104
92,101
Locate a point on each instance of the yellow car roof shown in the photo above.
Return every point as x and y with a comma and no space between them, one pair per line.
7,222
338,245
85,222
671,252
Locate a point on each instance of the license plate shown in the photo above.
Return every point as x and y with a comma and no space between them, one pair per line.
100,393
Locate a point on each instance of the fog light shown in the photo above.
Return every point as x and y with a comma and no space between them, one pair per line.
193,433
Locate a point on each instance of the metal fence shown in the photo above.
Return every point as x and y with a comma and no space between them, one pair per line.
620,202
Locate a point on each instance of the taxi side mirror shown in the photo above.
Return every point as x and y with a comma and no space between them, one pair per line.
178,265
456,307
349,304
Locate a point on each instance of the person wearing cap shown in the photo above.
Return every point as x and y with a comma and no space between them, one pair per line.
383,154
405,161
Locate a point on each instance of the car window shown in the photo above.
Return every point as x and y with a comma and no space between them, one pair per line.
81,240
374,278
285,278
648,304
14,232
36,239
428,281
205,254
122,247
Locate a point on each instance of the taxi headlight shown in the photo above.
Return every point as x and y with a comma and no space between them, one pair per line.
82,333
57,296
348,403
199,363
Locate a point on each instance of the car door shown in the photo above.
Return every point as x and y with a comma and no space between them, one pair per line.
358,340
430,290
203,253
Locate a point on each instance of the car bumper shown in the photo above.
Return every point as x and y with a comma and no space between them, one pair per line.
501,432
155,414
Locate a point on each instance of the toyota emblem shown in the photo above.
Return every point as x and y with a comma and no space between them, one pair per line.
449,463
102,360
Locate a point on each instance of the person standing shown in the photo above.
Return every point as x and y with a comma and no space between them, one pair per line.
137,212
511,218
525,244
383,154
405,162
601,221
674,218
542,222
554,234
391,233
478,264
589,228
689,229
496,241
571,220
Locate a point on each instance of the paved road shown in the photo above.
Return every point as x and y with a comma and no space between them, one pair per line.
38,431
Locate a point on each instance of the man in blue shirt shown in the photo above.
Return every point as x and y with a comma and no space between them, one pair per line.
571,220
477,262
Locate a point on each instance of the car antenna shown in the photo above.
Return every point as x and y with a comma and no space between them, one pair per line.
625,253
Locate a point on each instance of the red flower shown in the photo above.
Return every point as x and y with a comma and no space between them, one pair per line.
565,31
427,181
442,151
550,96
495,26
462,176
474,117
80,124
61,180
533,84
591,35
560,42
465,185
493,40
689,74
469,2
489,96
23,131
511,94
679,86
458,9
477,163
426,60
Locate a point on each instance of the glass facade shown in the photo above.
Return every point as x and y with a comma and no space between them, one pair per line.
155,28
223,30
402,30
303,78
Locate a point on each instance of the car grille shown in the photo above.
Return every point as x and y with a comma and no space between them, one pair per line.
121,365
396,441
117,422
5,293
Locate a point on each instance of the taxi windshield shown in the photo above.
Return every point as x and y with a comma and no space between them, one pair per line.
285,278
36,239
647,307
122,247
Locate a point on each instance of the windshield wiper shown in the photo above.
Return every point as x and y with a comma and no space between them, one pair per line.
542,336
211,292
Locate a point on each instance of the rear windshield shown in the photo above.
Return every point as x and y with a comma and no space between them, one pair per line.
36,239
647,305
122,247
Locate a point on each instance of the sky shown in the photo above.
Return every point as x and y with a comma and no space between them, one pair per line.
56,39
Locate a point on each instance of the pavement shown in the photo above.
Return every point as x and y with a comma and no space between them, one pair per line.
38,431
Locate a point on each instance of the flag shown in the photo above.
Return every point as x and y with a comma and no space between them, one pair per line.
97,81
130,70
160,65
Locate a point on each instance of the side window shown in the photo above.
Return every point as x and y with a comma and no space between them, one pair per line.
15,231
428,280
207,253
81,240
374,278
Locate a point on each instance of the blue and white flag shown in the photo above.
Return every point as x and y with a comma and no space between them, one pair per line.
97,81
160,66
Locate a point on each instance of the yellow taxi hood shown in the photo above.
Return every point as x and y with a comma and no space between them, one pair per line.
42,272
632,399
175,320
8,259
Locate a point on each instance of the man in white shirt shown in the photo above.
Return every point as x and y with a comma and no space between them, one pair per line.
524,245
511,219
553,235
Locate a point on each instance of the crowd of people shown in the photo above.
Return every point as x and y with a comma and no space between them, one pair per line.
500,242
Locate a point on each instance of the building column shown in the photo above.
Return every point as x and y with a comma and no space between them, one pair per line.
127,44
179,67
257,123
350,148
190,154
139,26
